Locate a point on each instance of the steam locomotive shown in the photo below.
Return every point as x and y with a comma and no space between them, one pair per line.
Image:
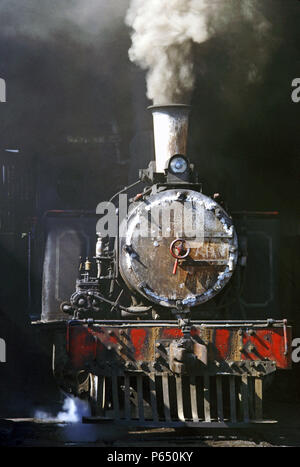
151,336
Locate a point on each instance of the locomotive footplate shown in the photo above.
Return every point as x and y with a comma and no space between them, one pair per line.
158,373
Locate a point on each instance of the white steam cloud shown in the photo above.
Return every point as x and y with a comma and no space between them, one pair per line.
73,430
164,34
72,411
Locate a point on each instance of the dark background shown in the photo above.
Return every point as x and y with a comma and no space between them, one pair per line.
76,111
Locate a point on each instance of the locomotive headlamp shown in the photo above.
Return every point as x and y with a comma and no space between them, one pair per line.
178,164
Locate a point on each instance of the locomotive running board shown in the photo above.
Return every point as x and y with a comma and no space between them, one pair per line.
160,401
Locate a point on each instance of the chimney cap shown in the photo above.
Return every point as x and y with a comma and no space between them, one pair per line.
166,106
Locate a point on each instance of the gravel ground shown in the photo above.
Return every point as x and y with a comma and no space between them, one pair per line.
34,432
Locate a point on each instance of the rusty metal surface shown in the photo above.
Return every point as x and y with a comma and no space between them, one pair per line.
170,126
167,375
146,264
254,350
181,401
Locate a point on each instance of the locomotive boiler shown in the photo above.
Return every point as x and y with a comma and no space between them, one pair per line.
151,336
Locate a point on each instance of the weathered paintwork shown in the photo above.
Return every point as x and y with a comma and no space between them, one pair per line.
137,344
170,126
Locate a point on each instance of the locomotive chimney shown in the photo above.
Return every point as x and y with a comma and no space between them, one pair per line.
170,126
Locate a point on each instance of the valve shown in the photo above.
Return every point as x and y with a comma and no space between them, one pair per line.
179,249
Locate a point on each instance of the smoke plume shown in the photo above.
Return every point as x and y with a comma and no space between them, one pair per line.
85,21
165,33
